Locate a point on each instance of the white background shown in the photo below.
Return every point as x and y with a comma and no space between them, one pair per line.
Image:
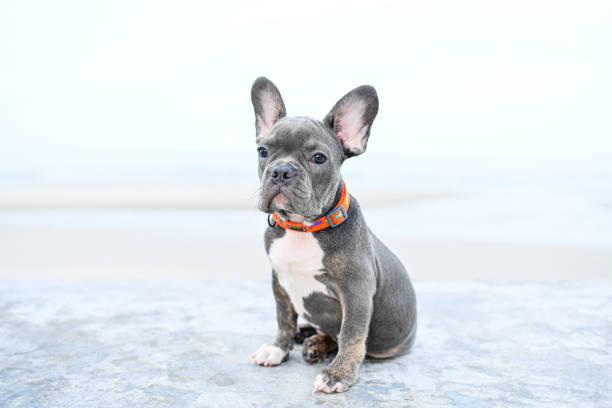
104,89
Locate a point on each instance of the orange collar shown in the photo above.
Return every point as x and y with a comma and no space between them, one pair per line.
332,219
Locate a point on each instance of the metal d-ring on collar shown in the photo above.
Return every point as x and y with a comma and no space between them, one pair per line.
271,221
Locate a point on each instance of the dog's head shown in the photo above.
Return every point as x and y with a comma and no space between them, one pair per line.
300,157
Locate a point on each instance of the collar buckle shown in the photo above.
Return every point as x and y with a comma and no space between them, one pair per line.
337,213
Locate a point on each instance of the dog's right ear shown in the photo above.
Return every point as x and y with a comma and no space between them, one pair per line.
268,105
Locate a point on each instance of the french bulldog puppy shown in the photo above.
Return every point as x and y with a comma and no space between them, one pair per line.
327,266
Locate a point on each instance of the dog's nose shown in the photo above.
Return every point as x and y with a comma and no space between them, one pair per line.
281,173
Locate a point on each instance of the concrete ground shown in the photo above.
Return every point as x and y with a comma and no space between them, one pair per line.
187,344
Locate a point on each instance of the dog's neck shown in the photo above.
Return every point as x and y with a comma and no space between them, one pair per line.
300,218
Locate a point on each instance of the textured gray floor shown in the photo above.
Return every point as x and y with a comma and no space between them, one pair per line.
186,344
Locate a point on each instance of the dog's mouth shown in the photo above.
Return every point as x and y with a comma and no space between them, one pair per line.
275,199
281,203
279,199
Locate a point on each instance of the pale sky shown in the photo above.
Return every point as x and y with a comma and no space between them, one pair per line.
139,81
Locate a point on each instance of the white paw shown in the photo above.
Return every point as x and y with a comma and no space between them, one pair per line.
268,355
326,384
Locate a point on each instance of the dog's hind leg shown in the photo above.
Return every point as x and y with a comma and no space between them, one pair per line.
317,347
399,350
304,331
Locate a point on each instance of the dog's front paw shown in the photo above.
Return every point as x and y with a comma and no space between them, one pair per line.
269,355
328,382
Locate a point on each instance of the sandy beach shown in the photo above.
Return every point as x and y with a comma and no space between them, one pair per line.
530,229
206,244
219,195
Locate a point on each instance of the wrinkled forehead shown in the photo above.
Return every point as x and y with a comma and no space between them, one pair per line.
298,133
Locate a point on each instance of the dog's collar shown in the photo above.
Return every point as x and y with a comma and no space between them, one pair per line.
332,219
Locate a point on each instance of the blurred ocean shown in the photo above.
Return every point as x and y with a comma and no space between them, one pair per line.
523,200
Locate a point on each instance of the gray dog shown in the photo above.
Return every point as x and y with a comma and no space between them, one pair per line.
327,266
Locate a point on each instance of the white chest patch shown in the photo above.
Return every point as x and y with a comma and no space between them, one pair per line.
297,258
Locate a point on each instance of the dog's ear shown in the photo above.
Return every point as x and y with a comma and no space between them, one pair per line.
268,105
351,119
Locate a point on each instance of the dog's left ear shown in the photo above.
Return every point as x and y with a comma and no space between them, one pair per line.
268,105
351,119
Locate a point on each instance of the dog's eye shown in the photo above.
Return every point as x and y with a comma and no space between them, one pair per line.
262,152
319,158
